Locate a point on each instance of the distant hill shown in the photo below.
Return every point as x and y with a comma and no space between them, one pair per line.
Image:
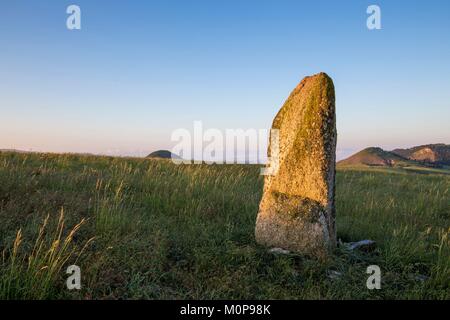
421,158
163,154
429,154
14,150
374,157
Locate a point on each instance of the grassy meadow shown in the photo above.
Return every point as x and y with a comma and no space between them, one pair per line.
148,229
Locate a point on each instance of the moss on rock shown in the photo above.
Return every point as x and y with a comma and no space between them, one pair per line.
297,209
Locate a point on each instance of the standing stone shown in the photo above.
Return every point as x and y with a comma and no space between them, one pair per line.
297,208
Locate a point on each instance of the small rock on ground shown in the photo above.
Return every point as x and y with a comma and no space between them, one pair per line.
333,274
364,245
279,251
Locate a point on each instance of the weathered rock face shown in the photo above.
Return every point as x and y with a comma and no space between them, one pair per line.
297,208
431,153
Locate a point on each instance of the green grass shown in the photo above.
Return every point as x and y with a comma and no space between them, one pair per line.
33,274
163,231
401,168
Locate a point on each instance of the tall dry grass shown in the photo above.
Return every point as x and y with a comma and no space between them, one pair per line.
34,274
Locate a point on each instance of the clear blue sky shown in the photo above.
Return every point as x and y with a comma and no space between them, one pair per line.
137,70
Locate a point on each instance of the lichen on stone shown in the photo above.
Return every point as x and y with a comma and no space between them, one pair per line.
298,202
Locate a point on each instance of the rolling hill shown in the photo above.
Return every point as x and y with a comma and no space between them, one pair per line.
430,154
163,154
422,159
374,156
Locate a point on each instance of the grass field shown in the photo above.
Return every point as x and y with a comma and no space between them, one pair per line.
153,230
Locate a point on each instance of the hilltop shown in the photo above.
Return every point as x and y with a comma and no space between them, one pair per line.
432,158
374,156
438,154
163,154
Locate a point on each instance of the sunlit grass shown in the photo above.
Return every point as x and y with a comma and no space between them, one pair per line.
33,272
164,231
